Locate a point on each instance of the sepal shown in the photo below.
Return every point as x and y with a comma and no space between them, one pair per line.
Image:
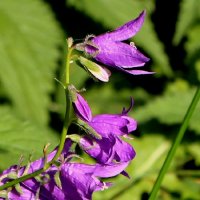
43,178
57,179
74,137
18,188
4,194
88,129
72,93
12,175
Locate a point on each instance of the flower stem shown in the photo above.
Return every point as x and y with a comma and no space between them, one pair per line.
63,134
67,72
175,145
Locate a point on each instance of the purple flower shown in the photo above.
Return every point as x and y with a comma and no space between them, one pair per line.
111,127
109,49
79,181
75,181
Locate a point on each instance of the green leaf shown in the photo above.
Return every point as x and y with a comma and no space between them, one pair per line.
192,45
19,137
117,12
188,16
170,108
29,38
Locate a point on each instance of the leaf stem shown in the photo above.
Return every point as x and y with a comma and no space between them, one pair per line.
63,134
175,145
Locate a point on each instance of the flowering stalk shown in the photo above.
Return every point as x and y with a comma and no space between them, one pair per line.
58,177
63,134
175,144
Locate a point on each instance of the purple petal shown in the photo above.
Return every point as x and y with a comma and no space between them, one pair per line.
124,32
105,171
79,181
124,152
118,55
136,72
98,170
108,150
131,125
107,124
101,150
26,194
82,108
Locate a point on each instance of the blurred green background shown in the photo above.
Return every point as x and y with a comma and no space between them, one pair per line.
32,53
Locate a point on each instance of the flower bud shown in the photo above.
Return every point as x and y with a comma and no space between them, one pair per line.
96,70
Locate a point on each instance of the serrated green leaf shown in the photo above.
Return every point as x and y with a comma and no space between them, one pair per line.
19,137
117,12
189,13
170,108
29,38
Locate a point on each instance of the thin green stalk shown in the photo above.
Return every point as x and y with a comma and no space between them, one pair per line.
63,134
67,73
175,145
64,131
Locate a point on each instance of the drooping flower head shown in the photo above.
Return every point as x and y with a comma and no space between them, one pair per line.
109,49
111,127
69,180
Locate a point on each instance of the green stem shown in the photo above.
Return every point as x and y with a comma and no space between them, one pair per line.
67,73
63,134
64,131
175,145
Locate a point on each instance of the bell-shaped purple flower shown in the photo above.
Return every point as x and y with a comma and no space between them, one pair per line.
72,181
109,49
111,127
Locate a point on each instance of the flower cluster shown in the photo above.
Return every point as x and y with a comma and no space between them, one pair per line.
103,136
